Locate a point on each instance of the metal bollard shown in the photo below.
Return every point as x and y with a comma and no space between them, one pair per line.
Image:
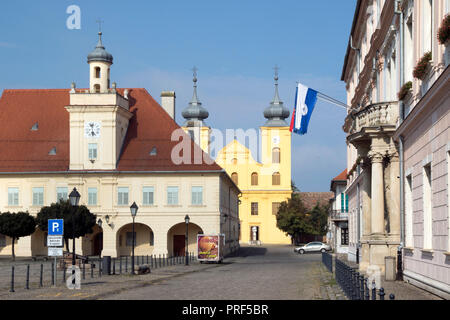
147,259
381,293
374,291
99,268
27,283
12,280
159,260
120,265
114,265
357,287
391,296
41,280
92,270
126,264
64,272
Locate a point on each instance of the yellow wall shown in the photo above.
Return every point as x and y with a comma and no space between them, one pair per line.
264,193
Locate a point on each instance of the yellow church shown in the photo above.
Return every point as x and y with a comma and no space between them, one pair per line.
264,184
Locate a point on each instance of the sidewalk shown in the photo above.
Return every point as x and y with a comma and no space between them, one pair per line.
402,290
98,287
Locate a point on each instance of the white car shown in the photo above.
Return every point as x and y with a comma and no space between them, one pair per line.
313,247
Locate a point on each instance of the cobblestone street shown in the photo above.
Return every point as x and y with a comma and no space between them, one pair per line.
258,273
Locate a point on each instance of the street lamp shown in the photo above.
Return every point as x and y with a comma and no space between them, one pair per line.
100,222
74,197
134,208
186,220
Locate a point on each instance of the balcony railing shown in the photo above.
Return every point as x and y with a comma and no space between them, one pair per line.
338,215
375,115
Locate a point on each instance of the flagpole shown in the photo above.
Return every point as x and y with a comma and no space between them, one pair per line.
331,100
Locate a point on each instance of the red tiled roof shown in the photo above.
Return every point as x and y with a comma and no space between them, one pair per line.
342,176
311,199
23,150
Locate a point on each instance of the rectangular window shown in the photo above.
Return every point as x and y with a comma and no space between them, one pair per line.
61,193
172,195
13,196
92,151
122,196
275,207
197,195
2,241
148,195
409,239
38,196
427,205
254,208
130,239
427,26
92,196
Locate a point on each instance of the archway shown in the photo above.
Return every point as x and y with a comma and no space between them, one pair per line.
176,237
144,240
92,244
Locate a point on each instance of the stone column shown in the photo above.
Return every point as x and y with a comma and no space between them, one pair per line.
377,207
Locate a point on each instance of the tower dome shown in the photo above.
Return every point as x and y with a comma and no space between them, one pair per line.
194,113
276,112
99,53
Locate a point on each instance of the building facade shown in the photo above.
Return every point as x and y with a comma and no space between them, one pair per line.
338,215
396,72
115,146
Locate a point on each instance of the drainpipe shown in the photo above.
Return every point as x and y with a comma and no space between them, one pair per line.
401,156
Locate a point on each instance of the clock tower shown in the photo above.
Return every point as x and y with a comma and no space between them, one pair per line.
99,117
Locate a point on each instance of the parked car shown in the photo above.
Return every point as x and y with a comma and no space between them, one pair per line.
313,247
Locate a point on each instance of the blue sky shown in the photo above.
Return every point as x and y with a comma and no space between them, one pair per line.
234,44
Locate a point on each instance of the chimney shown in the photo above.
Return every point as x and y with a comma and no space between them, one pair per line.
168,102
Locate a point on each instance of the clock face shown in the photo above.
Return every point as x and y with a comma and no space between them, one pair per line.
276,140
92,129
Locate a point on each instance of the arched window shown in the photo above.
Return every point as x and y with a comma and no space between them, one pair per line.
276,156
234,161
97,88
276,179
254,179
234,177
97,72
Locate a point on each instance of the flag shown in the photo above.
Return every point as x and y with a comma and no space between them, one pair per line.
305,100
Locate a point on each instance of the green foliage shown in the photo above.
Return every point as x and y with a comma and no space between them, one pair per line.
83,219
294,219
16,225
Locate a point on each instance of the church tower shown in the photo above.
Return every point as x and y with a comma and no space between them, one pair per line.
276,142
194,114
100,62
99,117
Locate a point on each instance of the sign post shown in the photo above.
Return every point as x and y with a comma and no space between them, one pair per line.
55,241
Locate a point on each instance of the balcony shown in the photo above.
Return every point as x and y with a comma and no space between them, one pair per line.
338,215
375,118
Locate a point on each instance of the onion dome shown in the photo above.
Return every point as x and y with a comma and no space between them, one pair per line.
194,113
99,53
276,112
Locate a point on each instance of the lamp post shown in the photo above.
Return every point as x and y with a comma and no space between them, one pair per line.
186,220
134,208
74,197
100,222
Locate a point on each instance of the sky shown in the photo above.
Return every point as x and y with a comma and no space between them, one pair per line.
234,44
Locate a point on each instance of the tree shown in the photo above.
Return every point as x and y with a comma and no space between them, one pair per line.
84,220
319,220
16,225
292,217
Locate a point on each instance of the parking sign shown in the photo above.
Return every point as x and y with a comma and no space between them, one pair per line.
55,227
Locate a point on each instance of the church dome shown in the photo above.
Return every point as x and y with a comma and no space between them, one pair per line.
276,112
194,113
99,53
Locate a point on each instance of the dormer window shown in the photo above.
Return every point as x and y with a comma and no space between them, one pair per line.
52,152
35,127
153,152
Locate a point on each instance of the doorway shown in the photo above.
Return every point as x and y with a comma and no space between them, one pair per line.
179,245
97,245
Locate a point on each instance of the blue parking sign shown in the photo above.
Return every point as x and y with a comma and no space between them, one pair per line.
55,227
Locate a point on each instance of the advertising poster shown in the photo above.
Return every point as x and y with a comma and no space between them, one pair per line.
208,247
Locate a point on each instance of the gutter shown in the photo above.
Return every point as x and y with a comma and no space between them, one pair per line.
109,171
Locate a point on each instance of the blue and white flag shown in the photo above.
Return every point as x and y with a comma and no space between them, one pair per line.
305,100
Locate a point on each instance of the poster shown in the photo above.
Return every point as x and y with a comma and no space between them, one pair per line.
208,247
